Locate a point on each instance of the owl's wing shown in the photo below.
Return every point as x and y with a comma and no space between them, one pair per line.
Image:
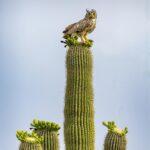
77,27
68,28
82,25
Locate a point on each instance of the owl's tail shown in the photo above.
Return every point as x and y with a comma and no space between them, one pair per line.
65,31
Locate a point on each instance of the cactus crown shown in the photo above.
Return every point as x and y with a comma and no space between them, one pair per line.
44,125
69,41
24,136
112,127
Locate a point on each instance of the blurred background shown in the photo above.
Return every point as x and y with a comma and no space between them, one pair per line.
32,66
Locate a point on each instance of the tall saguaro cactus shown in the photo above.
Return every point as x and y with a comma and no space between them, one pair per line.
49,131
79,111
29,141
115,138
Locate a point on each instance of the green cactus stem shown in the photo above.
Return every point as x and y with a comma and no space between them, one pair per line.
29,141
79,129
49,131
115,138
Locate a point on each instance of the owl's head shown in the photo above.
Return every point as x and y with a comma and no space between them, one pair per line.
91,14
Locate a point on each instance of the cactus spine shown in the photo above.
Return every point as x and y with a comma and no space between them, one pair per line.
115,138
29,141
79,111
49,131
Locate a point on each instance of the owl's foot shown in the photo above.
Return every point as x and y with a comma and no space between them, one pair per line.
88,43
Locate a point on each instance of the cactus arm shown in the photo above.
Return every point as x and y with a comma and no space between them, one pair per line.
29,141
115,138
49,131
113,128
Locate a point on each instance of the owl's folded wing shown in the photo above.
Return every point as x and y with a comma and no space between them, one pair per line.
68,28
77,27
82,25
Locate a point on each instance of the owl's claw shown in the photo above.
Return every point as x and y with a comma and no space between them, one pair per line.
83,40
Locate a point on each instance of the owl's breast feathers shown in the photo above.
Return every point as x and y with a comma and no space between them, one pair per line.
91,25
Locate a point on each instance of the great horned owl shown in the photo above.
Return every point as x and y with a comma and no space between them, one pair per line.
82,27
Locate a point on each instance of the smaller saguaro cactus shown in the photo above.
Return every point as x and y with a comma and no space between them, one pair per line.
29,141
49,131
115,138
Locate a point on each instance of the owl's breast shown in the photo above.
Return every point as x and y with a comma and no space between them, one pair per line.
91,26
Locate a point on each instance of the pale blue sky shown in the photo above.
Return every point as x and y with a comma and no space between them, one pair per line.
32,66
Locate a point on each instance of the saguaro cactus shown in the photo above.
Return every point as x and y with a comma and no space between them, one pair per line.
79,110
29,141
49,131
115,138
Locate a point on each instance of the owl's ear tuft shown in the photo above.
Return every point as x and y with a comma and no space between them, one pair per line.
87,11
93,10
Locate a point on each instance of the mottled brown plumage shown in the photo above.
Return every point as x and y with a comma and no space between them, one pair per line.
82,27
